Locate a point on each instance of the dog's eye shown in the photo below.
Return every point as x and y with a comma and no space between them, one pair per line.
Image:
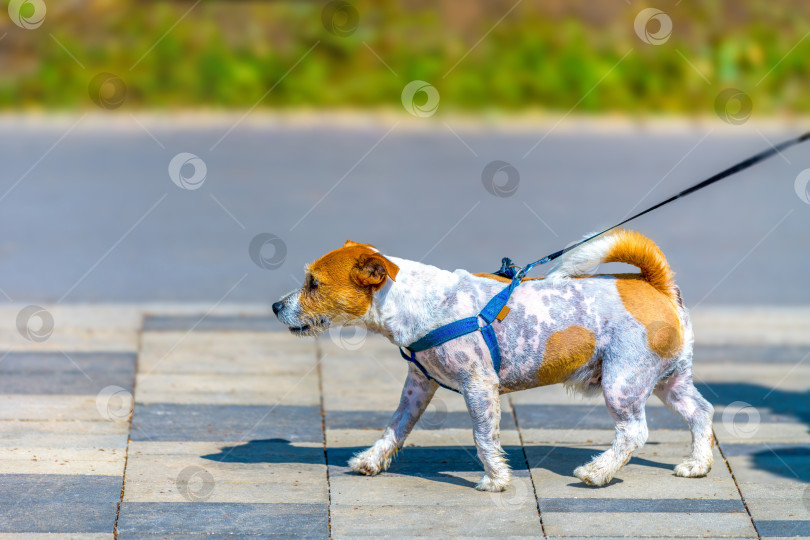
313,283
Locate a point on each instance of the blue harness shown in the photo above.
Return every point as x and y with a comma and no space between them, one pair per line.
496,308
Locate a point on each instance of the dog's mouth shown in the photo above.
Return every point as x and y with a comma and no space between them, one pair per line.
301,330
313,328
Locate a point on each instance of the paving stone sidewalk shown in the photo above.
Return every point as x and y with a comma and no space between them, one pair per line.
241,430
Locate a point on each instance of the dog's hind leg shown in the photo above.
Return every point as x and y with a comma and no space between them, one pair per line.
416,394
484,405
679,394
625,402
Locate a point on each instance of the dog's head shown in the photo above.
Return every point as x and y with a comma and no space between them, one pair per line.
338,287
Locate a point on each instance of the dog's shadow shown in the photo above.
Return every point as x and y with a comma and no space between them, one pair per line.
438,463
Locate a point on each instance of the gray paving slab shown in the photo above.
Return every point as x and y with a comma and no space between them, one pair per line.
142,518
63,373
201,422
57,517
783,528
59,488
590,505
576,416
434,420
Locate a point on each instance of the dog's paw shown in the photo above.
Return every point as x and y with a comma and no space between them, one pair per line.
593,475
692,468
368,463
487,483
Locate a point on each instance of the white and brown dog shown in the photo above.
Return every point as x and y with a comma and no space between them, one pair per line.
625,335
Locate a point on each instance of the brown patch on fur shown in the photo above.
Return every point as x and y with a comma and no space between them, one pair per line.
566,351
655,311
634,248
346,280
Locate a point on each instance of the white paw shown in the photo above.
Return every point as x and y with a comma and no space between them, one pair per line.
368,463
488,483
692,468
593,475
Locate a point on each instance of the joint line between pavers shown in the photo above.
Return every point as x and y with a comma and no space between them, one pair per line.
138,348
528,467
737,485
318,358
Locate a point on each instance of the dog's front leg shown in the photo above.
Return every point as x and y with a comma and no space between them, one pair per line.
416,394
484,404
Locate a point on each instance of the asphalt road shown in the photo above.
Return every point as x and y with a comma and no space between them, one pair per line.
89,212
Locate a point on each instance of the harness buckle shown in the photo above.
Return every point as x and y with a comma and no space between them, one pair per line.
502,313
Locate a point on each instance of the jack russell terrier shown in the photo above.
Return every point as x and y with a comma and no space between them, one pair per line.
624,335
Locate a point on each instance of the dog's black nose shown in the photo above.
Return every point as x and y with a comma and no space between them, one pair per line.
277,307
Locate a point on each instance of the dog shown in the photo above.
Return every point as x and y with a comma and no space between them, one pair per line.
626,336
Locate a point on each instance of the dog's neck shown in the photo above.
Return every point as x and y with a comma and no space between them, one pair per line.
408,308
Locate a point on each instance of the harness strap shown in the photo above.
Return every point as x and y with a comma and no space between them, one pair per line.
412,359
494,310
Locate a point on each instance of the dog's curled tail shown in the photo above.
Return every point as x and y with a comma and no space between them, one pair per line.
622,246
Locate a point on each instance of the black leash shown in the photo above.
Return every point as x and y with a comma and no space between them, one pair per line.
509,270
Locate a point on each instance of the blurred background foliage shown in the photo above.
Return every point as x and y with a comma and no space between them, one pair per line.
543,55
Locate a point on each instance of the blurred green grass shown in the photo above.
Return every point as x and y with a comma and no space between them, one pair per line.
543,55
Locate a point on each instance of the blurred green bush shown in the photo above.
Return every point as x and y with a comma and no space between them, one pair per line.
544,55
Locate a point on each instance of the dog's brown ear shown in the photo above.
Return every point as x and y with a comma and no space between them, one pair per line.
372,269
350,243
